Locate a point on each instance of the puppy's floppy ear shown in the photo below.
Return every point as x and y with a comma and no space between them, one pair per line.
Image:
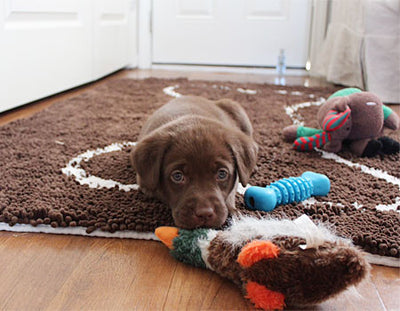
147,158
244,150
237,113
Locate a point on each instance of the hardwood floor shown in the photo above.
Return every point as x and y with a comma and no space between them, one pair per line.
55,272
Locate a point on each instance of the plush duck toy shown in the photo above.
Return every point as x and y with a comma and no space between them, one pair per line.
352,115
277,263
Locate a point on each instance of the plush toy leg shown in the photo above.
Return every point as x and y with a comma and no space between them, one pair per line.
255,251
391,119
292,132
264,298
316,141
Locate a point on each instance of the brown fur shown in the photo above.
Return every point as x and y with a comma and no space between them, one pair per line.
198,138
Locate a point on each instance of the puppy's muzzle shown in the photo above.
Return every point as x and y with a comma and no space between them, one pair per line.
201,211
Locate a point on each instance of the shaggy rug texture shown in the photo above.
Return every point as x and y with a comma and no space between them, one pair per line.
66,169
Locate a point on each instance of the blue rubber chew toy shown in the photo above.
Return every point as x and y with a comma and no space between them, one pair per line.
287,190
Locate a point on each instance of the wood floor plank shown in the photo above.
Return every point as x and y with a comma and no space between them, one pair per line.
387,283
33,269
124,275
200,289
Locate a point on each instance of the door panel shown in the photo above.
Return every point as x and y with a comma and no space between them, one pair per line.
111,30
231,32
264,10
48,46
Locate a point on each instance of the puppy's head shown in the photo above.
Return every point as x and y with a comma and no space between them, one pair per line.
194,167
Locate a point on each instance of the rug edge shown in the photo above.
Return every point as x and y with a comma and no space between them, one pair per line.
81,231
382,260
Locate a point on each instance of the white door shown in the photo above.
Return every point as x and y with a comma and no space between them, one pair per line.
114,31
45,48
48,46
231,32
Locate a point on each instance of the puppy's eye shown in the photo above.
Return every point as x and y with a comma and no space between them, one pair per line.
222,174
177,177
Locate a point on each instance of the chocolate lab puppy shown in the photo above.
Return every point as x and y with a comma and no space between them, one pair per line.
191,153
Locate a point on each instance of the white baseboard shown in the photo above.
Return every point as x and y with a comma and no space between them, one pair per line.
245,70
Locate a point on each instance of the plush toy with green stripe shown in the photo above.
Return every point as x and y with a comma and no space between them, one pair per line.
352,115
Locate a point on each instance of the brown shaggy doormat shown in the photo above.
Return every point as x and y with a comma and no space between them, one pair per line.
66,169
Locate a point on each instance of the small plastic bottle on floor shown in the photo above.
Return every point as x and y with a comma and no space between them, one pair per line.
281,68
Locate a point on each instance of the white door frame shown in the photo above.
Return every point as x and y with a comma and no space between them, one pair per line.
145,13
